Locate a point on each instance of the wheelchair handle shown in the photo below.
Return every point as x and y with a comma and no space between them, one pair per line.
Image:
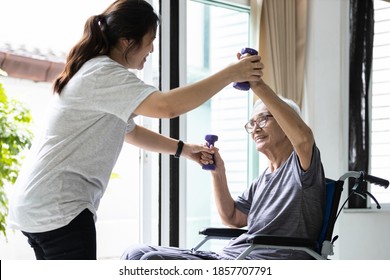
375,180
365,177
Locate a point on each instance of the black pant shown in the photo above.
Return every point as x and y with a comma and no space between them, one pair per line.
75,241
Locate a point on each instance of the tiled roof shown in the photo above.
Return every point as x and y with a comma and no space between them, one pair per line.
31,63
33,52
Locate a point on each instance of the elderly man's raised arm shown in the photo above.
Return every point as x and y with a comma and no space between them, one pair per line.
299,134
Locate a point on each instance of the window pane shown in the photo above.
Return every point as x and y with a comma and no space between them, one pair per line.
380,126
215,35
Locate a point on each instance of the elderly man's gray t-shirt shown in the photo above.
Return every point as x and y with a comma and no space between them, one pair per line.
287,202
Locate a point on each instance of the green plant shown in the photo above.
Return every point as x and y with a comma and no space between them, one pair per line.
14,138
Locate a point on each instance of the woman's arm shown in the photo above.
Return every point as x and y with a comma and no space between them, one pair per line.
149,140
183,99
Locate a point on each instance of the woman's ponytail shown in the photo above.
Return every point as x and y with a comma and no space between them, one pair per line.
93,43
130,19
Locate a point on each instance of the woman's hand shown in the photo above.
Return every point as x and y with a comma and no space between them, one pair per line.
213,157
248,68
198,153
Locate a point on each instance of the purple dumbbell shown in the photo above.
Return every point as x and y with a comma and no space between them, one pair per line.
211,139
245,85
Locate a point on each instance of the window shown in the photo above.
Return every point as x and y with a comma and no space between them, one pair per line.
380,102
215,33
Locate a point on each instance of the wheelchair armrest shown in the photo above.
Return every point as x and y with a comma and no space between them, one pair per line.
223,232
281,241
218,233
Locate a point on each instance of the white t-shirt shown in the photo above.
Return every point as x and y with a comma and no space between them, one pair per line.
68,168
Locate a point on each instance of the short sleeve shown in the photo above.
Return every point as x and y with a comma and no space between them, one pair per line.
106,86
244,201
121,94
130,125
315,173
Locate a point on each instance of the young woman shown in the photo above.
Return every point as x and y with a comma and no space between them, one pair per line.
96,98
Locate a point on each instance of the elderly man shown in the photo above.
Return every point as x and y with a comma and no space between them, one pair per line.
287,199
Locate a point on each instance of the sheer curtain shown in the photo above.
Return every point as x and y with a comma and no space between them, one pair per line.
283,44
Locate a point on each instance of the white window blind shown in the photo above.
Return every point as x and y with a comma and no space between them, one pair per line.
380,101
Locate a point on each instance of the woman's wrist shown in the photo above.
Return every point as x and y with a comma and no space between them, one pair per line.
179,149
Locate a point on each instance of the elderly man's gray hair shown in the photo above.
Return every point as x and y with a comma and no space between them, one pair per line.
289,102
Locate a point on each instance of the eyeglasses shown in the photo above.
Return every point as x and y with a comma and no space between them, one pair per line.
260,122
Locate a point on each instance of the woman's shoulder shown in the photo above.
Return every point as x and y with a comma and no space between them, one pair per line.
103,62
103,68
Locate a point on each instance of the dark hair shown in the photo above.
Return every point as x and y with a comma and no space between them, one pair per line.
129,19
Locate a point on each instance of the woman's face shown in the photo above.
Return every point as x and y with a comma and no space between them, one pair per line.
137,58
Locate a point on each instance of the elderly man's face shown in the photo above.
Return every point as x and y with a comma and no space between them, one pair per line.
271,136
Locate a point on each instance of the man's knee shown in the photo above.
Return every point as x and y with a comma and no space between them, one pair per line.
135,252
153,256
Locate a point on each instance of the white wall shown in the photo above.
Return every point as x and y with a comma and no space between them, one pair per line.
362,233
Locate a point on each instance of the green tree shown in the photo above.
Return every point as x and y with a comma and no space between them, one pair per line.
15,137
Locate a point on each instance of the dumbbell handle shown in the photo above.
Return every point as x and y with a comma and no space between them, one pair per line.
211,139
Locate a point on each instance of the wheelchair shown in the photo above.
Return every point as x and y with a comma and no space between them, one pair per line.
319,249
